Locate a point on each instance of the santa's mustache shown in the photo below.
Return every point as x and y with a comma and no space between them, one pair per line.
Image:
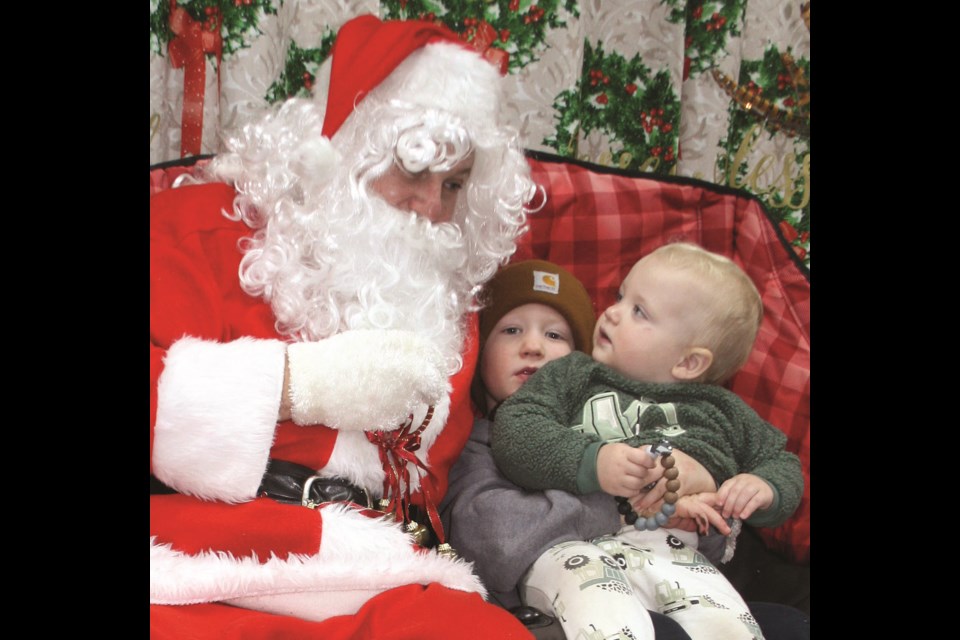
369,267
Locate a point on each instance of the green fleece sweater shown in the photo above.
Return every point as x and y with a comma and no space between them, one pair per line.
547,434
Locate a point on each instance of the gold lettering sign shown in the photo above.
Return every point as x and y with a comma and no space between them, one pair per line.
787,183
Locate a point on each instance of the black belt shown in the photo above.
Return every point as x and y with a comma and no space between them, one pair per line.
293,483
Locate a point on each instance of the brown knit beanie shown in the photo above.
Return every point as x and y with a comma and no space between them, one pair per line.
541,282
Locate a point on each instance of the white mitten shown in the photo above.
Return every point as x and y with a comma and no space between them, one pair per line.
364,379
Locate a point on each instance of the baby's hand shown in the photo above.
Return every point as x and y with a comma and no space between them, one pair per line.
698,512
623,470
742,495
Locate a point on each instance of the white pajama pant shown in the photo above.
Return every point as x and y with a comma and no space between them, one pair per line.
601,589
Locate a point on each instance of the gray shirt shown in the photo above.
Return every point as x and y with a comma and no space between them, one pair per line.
503,529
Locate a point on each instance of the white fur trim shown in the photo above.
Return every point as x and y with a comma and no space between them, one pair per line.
217,413
359,558
364,379
446,76
315,156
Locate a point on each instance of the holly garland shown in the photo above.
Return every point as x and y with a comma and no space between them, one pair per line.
516,27
619,97
238,20
782,83
708,26
300,70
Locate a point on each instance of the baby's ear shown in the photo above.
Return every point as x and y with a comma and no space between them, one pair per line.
693,365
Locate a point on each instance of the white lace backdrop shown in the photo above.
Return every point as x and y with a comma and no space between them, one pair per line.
712,90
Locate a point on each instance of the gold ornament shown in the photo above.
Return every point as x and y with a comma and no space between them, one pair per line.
791,121
417,531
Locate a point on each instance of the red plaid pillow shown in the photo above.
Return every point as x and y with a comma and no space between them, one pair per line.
598,221
162,175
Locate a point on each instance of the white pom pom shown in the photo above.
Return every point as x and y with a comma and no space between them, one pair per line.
314,157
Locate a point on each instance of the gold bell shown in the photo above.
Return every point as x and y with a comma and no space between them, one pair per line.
445,550
417,531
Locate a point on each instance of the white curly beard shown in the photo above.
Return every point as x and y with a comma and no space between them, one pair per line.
328,255
373,268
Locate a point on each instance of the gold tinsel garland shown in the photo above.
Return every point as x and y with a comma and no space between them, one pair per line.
792,121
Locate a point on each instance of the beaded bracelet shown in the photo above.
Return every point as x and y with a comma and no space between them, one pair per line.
643,523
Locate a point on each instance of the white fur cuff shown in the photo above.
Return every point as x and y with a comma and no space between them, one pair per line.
368,379
217,406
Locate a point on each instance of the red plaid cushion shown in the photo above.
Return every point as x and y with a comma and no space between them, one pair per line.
163,175
598,221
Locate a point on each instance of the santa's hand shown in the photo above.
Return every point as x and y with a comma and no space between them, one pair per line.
364,380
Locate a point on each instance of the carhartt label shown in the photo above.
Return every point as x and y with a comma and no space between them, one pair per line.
546,281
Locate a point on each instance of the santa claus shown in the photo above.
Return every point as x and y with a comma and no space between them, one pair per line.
311,303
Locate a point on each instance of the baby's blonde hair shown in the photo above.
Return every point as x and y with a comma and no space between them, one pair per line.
732,312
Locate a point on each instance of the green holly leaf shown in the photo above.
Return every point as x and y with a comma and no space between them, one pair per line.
517,27
636,110
300,69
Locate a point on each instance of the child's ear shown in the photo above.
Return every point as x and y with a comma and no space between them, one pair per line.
693,365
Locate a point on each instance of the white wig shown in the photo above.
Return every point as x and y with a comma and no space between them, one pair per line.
329,255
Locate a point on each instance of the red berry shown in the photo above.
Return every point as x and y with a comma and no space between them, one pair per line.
631,88
602,98
788,231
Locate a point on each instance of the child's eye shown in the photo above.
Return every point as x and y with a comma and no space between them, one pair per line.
639,311
453,185
619,296
555,335
511,331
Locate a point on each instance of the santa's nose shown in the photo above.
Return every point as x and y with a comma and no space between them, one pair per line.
428,201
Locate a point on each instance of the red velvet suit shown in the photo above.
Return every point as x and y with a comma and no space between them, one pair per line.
195,292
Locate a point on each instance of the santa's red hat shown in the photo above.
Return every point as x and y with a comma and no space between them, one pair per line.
423,63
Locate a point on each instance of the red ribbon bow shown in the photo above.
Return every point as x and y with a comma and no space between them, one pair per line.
398,450
188,50
482,40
